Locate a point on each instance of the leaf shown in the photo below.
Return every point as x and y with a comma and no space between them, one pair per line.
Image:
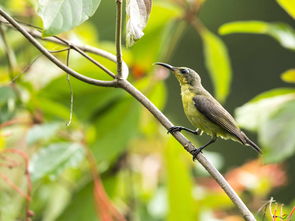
288,76
42,132
288,6
252,114
277,134
75,211
7,103
282,32
52,160
62,15
218,63
179,183
138,12
6,93
117,125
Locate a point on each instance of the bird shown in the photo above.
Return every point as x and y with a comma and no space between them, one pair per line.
204,111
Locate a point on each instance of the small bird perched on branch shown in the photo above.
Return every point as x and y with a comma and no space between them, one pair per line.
204,111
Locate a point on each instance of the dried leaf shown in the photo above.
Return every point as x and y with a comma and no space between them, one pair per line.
138,12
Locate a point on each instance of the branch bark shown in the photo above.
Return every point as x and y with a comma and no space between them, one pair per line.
127,86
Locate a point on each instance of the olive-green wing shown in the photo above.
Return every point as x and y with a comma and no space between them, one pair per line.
217,114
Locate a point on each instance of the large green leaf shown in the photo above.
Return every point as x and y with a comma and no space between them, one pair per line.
283,33
116,126
138,12
42,132
277,134
179,183
218,63
62,15
94,98
52,160
252,114
288,6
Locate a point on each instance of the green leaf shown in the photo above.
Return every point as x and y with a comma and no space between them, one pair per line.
179,183
6,93
76,211
277,134
52,160
288,6
218,63
138,12
42,132
282,32
62,15
7,103
116,126
252,114
288,76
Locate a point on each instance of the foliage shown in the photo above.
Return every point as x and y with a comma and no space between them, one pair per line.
112,139
272,109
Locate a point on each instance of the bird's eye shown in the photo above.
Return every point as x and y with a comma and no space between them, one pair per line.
184,71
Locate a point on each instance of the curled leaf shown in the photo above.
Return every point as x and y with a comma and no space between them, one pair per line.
138,12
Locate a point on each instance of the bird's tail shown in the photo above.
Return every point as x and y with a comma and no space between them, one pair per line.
250,143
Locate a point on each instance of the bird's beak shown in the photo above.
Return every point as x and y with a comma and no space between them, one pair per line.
168,66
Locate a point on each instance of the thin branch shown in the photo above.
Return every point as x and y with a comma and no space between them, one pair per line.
9,54
46,53
71,91
83,48
119,39
189,147
86,56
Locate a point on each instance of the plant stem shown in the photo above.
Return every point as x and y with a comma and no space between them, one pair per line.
119,39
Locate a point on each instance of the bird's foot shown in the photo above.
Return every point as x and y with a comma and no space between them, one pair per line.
180,128
175,129
196,151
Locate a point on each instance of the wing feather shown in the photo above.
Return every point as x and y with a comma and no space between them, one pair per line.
218,115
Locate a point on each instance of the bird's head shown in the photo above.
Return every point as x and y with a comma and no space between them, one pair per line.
184,75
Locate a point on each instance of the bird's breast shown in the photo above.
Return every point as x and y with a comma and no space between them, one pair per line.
196,118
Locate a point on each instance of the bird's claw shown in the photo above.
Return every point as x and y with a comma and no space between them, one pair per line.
174,129
195,153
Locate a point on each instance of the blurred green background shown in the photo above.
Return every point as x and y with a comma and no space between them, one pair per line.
146,174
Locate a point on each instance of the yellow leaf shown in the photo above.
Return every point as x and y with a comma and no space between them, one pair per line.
288,76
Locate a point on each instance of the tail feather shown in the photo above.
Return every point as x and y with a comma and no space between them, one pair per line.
250,143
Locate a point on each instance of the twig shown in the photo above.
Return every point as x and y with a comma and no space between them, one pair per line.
74,47
9,54
83,48
119,39
71,90
46,53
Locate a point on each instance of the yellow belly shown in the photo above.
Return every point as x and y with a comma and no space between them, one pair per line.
200,121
